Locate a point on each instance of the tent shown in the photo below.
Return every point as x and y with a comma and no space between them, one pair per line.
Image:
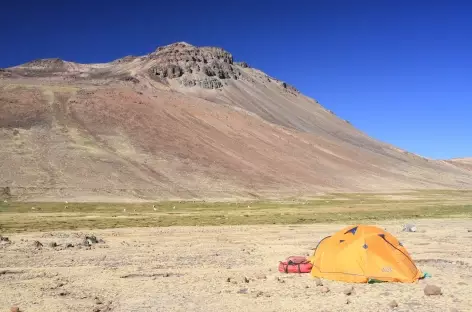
362,254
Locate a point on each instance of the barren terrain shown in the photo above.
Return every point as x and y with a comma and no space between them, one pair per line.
222,268
186,122
462,162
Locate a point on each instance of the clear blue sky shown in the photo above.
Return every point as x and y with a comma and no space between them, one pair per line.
399,70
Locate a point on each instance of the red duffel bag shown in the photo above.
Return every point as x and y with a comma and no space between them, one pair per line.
295,264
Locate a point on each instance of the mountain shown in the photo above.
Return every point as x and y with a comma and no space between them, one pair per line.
465,163
187,122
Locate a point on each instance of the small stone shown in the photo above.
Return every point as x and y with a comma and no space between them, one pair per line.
348,301
228,280
53,244
278,279
432,290
261,276
246,280
258,294
14,309
324,289
393,304
98,301
318,282
69,245
37,244
242,291
409,228
4,239
96,309
349,291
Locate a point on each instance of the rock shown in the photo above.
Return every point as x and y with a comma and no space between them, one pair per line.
4,239
393,304
278,279
261,276
37,244
246,280
348,291
409,228
289,88
166,71
432,290
243,291
257,294
324,289
15,309
69,245
348,301
242,64
91,239
5,192
98,301
210,83
228,280
53,244
318,282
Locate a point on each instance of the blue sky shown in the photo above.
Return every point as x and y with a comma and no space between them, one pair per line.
399,70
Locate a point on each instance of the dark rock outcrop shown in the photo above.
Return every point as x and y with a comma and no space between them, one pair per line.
242,64
205,67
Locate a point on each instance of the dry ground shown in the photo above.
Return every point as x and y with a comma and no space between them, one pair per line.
186,269
178,256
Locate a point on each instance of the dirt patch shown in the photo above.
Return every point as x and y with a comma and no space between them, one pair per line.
221,268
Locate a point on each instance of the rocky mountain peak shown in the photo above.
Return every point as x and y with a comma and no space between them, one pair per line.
206,67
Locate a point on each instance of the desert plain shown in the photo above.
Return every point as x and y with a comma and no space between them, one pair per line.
212,257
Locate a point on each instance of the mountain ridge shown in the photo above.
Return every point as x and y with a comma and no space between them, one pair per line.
187,122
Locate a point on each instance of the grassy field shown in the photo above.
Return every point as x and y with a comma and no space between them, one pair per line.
29,216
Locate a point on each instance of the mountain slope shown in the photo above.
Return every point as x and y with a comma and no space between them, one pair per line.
186,122
465,163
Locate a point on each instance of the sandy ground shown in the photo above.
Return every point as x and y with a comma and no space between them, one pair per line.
186,269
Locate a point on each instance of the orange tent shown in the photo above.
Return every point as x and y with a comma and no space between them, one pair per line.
361,254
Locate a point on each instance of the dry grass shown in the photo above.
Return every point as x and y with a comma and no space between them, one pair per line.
21,216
